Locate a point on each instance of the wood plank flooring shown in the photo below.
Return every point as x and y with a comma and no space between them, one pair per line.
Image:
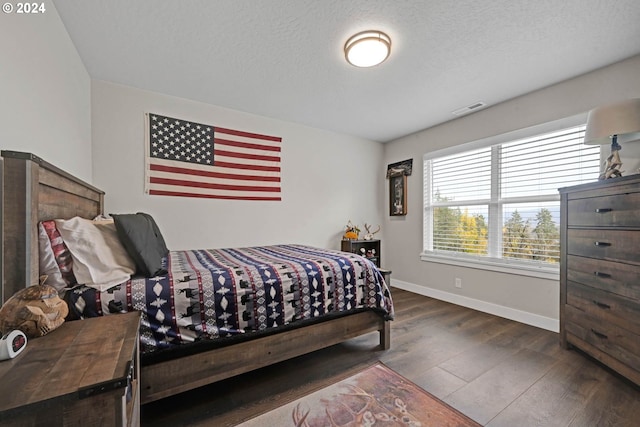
496,371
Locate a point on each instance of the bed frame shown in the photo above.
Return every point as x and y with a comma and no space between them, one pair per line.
34,190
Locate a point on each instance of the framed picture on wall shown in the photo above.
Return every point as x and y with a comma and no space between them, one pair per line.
398,195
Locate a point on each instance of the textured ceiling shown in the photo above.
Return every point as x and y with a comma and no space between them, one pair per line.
284,58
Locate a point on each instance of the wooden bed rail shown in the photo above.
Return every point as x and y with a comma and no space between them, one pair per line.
32,191
171,377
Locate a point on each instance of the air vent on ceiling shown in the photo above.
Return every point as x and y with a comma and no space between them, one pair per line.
469,108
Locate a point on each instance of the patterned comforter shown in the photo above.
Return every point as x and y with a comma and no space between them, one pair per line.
215,293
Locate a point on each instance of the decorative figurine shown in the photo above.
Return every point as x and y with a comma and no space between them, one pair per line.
369,235
613,164
352,232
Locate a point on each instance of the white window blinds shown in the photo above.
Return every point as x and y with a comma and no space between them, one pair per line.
501,202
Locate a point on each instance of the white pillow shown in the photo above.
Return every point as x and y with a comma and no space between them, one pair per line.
99,259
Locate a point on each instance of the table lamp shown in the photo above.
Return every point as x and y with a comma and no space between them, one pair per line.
615,124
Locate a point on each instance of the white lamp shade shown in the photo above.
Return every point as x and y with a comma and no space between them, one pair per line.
367,49
621,119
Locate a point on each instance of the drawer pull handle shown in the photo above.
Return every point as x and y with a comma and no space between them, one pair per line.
602,243
603,210
601,304
599,335
603,275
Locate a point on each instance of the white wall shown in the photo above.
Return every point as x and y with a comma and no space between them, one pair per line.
45,92
327,178
535,301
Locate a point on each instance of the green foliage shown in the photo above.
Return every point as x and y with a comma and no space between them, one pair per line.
547,238
515,237
459,231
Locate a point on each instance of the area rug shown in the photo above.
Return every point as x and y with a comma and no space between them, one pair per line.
376,396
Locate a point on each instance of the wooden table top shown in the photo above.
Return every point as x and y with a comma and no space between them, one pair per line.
79,355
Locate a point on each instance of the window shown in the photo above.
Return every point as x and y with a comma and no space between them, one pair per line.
498,206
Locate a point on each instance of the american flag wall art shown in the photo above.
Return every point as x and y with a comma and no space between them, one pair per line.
189,159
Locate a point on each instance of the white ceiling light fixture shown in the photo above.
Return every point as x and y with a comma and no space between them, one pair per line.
367,49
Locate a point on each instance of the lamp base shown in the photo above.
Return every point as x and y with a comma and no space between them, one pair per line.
613,163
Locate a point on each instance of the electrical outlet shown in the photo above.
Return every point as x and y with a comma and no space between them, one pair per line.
458,282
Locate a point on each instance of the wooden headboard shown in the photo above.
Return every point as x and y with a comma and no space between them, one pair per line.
32,191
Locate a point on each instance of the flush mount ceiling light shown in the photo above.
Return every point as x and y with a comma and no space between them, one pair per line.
367,49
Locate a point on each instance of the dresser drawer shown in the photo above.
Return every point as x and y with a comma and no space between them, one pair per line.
614,277
613,340
612,245
620,210
605,306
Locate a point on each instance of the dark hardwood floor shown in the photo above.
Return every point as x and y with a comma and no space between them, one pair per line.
496,371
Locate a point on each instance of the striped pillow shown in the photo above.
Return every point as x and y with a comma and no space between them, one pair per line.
55,258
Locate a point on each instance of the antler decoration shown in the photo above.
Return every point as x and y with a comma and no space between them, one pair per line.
369,235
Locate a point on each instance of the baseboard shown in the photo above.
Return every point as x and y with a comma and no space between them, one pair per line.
486,307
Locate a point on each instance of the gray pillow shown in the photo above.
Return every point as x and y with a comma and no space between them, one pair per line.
161,244
141,237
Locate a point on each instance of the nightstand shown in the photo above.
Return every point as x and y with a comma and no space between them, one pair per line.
367,248
387,275
86,372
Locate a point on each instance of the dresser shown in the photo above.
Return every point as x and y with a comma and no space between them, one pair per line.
85,373
600,272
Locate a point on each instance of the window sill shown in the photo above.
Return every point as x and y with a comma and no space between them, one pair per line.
492,264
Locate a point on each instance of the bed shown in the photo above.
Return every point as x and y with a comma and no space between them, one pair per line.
36,191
